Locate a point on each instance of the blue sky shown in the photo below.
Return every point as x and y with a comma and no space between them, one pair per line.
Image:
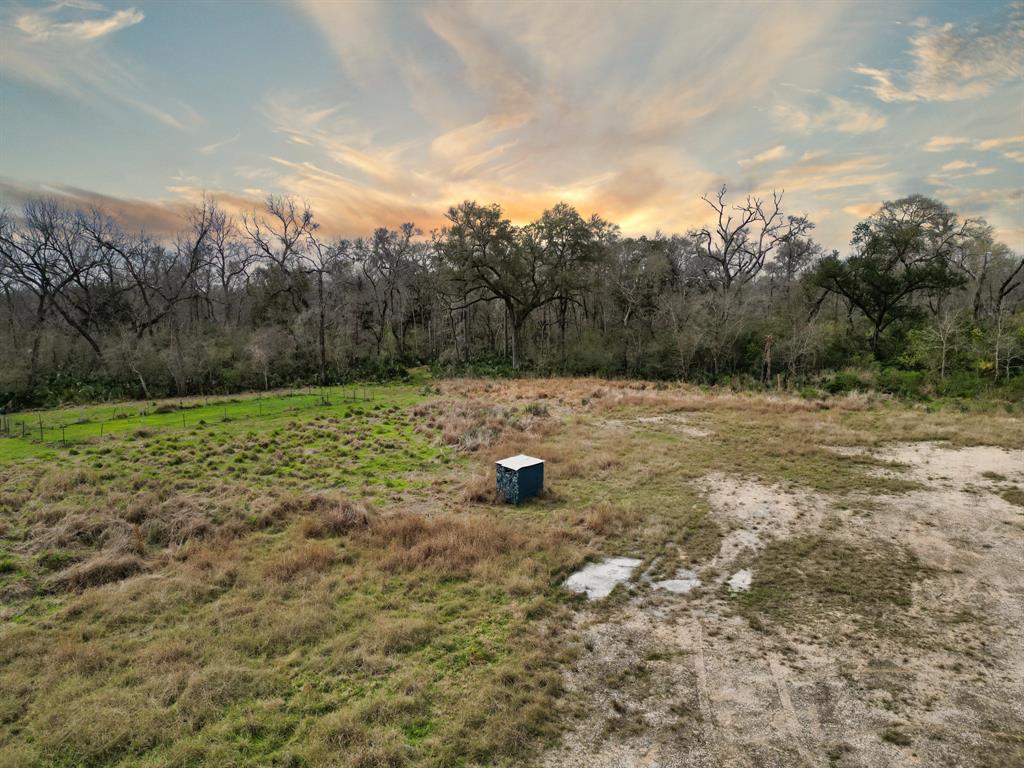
384,113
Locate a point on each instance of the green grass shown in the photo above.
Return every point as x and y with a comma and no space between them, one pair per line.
326,585
165,580
72,426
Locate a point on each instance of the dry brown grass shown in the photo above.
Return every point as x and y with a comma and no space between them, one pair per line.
454,546
475,424
335,520
569,459
303,559
481,488
60,481
391,635
606,519
104,568
209,690
599,395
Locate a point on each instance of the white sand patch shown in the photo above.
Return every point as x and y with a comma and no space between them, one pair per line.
684,581
754,514
598,580
930,461
741,580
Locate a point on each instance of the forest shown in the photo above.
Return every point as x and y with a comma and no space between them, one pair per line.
922,302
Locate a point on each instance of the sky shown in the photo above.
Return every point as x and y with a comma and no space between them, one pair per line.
382,113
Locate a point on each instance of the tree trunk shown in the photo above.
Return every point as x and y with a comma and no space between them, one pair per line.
766,362
322,333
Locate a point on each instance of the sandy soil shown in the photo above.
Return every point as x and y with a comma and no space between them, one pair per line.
675,680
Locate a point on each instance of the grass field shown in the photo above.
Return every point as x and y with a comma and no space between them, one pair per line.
326,579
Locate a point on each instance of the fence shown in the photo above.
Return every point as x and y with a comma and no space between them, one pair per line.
166,416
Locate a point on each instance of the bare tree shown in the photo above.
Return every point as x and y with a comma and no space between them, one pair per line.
386,265
735,250
281,237
318,260
229,259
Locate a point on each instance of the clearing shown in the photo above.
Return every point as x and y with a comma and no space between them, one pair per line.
325,579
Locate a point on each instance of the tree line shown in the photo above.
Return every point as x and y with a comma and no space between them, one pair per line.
91,310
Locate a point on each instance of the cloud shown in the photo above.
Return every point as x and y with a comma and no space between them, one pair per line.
42,26
1006,141
957,165
158,218
813,176
211,149
61,49
862,210
1000,206
500,110
629,113
951,64
958,169
775,153
945,143
834,114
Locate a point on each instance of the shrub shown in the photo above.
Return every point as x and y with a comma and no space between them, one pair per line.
961,384
481,489
901,383
842,382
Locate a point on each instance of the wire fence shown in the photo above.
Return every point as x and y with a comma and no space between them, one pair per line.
170,416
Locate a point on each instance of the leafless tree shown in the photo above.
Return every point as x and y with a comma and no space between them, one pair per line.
734,251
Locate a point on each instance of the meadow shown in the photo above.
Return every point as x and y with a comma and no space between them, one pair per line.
325,578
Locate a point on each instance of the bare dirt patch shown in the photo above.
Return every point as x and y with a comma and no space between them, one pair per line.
881,629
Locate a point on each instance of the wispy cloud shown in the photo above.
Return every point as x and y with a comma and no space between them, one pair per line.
505,113
945,143
629,111
831,114
1005,141
60,48
211,149
958,169
775,153
42,25
953,64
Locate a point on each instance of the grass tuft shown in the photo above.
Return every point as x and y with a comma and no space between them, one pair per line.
101,569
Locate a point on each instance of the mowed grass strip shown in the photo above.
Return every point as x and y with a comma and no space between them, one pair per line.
74,425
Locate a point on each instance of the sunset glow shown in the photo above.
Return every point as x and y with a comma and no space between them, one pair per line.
383,113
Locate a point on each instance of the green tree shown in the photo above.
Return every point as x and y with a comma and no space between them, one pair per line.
525,268
903,251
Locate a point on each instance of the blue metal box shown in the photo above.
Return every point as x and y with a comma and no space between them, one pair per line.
519,478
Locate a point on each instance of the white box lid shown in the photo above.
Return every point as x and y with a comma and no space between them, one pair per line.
518,462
